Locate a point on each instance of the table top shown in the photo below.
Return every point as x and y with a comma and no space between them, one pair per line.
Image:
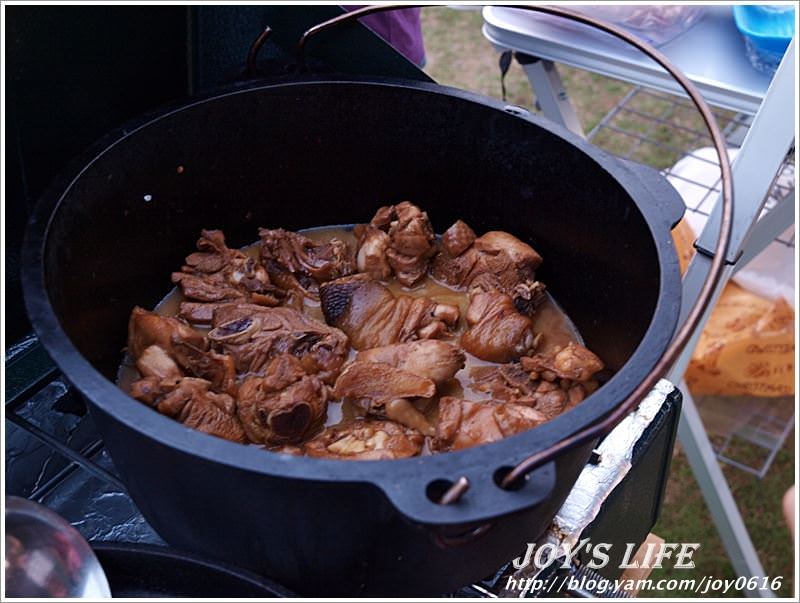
711,53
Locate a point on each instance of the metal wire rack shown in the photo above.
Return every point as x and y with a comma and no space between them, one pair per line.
663,130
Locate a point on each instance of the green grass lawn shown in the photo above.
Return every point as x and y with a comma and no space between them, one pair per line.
458,55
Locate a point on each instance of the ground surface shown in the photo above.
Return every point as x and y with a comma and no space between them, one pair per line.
458,55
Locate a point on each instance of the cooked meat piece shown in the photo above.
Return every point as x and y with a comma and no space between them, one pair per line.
378,382
284,405
206,289
407,248
155,362
373,244
217,368
282,371
573,362
384,391
372,316
191,401
497,331
410,230
366,440
150,390
507,382
436,360
217,273
148,328
298,263
528,296
155,340
497,255
510,383
463,424
515,383
193,404
458,238
254,335
199,313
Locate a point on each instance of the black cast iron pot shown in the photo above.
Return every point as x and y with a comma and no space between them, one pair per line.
311,153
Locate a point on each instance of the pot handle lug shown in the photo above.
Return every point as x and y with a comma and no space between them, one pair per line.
456,520
666,198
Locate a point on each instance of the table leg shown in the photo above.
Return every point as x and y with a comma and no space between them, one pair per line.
549,91
717,494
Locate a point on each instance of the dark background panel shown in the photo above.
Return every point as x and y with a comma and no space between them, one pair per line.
73,73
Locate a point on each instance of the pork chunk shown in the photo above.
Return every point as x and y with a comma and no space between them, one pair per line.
254,335
299,264
429,358
573,362
496,256
385,391
367,439
497,331
371,315
399,240
190,401
216,273
284,405
149,328
463,424
164,347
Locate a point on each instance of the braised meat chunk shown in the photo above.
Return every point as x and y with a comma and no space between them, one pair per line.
147,328
573,362
163,346
284,405
429,358
216,273
551,383
254,335
510,383
299,264
190,401
405,248
371,315
155,362
371,259
457,239
366,440
378,381
385,391
497,331
496,256
463,424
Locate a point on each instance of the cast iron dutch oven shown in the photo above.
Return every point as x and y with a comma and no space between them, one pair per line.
312,152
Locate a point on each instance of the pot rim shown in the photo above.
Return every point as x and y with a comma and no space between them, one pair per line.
393,476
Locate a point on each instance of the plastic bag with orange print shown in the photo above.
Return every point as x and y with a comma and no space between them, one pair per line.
747,346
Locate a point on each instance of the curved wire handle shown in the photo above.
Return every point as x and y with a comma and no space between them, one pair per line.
604,426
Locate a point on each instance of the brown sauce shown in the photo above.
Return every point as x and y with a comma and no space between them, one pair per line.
549,319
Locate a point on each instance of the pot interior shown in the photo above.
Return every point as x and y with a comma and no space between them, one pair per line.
314,154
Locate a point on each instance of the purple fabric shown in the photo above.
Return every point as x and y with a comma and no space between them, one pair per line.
400,28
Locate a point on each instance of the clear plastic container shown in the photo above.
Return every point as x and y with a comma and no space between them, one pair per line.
657,24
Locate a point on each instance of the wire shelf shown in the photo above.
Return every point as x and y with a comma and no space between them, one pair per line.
662,131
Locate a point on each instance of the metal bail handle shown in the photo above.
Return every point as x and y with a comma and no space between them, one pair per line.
605,425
